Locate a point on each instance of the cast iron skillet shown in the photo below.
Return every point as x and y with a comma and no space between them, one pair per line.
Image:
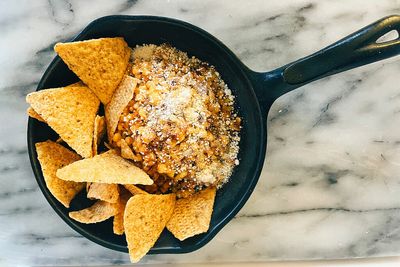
255,92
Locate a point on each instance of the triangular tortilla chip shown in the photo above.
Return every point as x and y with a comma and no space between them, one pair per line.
192,215
77,84
118,222
33,114
53,156
144,219
99,131
99,63
88,187
106,168
123,94
70,111
98,212
105,192
107,145
126,151
134,189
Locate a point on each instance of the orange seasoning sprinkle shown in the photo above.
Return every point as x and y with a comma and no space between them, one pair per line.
180,124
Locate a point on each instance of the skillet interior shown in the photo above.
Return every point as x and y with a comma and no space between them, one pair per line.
196,42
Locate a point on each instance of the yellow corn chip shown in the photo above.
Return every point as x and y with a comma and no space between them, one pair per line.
134,189
107,145
118,223
33,114
123,94
144,219
126,151
192,215
99,63
77,84
105,192
106,168
53,156
88,187
98,212
70,111
99,131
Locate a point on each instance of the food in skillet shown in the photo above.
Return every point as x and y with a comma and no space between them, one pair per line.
179,122
170,128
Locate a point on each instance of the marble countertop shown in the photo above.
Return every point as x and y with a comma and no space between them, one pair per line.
330,185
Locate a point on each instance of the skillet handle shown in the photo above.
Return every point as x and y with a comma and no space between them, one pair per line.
357,49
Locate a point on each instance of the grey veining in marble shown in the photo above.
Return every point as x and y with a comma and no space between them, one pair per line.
330,186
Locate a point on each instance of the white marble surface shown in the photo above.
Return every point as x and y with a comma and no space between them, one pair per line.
330,187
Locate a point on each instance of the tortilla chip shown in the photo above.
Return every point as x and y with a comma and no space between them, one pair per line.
145,218
126,151
98,212
106,168
134,189
99,63
80,83
105,192
53,156
192,215
88,187
107,145
123,94
33,114
70,111
99,131
118,223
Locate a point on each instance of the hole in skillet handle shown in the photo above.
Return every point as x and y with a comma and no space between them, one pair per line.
387,37
357,49
146,29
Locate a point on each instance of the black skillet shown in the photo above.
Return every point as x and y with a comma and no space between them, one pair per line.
255,92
